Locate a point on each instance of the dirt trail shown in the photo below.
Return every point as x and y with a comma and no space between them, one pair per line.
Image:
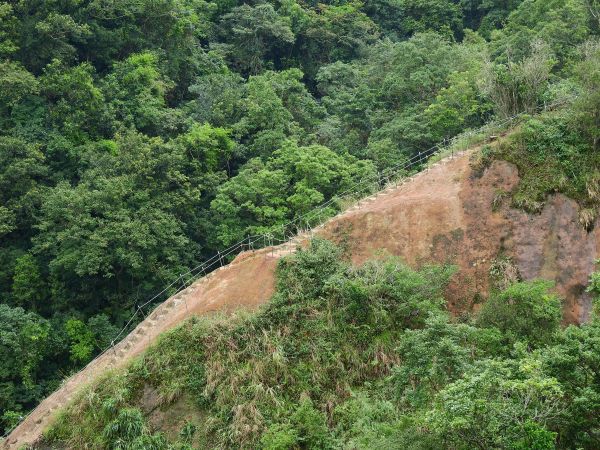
443,214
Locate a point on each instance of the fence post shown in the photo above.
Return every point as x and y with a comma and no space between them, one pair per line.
185,296
140,310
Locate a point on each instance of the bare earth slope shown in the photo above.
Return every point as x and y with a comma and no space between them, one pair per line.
444,214
447,215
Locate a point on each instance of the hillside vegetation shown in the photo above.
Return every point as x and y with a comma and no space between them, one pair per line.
139,137
356,357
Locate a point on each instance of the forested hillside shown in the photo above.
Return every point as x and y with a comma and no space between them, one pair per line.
137,137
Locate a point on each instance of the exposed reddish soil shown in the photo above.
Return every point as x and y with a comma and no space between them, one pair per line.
442,215
447,215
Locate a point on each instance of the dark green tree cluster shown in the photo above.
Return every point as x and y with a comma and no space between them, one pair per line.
138,137
360,357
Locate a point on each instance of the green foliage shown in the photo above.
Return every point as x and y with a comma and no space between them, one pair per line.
106,230
575,363
7,219
457,106
594,288
312,426
255,34
433,357
264,196
517,87
187,432
424,15
75,104
553,155
128,431
53,35
279,437
271,389
27,284
210,147
340,358
81,340
364,421
594,285
136,91
15,83
128,426
588,104
402,97
485,16
307,429
525,312
22,170
498,405
333,32
102,330
26,342
8,30
561,24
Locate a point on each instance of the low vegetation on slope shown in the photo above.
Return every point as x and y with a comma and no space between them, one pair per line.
365,357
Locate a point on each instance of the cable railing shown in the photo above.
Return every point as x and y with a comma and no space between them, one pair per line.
306,222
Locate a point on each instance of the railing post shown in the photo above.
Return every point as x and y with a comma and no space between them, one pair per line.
140,310
185,296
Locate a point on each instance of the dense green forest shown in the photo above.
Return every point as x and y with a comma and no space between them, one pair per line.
359,358
138,137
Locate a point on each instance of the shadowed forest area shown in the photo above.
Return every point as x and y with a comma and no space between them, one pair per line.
139,137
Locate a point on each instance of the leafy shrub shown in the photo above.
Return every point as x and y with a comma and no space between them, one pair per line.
125,428
311,424
552,156
279,437
432,358
525,311
340,359
498,404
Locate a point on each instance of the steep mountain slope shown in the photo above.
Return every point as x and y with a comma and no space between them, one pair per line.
446,213
450,214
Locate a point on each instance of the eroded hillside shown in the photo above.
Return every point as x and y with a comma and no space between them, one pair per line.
451,214
448,213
